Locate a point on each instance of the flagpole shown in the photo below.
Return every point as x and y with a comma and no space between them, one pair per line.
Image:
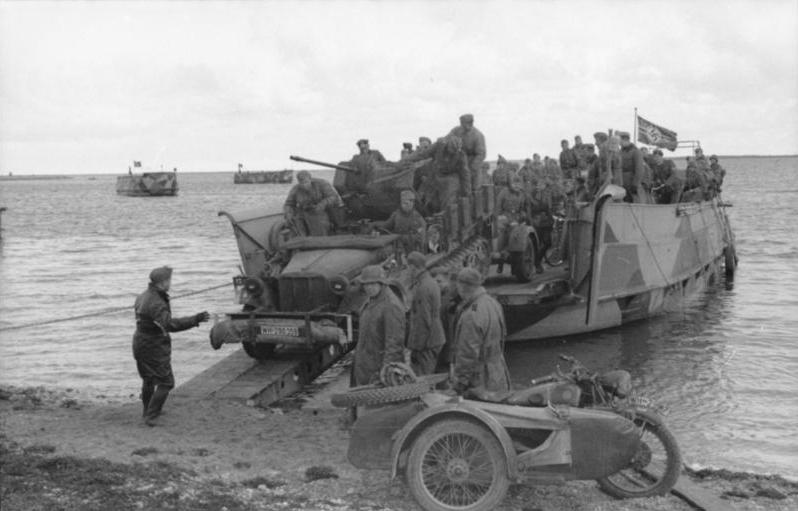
635,126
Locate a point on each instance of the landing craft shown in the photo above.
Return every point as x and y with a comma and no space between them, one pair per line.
621,262
147,184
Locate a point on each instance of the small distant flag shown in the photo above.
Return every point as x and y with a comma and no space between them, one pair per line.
136,163
651,134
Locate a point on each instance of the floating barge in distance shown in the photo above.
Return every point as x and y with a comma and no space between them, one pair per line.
148,184
262,176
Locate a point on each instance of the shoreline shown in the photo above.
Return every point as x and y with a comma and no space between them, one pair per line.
61,451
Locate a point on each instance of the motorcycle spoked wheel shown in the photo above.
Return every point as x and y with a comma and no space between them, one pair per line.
654,468
457,464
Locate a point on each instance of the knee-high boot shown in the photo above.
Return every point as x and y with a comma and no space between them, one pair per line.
156,402
146,394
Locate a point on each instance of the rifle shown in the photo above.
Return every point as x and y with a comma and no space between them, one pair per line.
323,164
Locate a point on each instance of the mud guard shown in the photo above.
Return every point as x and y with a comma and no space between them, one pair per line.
453,410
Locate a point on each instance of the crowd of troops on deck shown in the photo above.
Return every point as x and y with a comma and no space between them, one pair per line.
456,322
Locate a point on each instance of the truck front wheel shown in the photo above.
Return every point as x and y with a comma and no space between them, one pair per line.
258,351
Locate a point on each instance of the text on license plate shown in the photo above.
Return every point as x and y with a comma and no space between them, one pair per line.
282,331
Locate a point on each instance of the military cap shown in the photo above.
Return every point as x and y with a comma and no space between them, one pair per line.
623,134
600,136
469,276
407,195
301,174
362,141
424,139
372,274
160,274
466,118
657,151
714,157
417,259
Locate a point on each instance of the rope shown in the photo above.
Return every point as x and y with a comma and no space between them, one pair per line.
104,312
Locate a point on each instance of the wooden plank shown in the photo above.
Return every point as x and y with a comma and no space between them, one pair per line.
698,497
262,382
217,376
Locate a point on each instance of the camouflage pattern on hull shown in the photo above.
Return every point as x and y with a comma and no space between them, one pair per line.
649,259
148,184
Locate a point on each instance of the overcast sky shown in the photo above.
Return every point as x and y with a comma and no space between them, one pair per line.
88,87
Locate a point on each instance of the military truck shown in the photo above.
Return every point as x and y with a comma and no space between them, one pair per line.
299,291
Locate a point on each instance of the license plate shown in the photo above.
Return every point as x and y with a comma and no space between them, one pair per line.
279,331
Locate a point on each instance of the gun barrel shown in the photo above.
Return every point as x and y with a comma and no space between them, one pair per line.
323,164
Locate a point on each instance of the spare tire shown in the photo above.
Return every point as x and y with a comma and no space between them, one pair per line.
374,395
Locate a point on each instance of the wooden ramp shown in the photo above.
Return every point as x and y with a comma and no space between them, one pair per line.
698,497
261,383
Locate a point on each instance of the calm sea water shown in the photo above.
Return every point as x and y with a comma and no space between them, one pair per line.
725,364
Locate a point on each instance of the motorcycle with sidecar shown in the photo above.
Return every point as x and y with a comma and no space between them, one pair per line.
463,452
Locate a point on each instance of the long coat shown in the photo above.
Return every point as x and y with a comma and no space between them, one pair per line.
475,150
426,328
152,345
479,339
381,336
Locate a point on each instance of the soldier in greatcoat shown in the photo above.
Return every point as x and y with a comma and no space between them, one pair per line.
634,171
425,336
381,330
479,338
447,174
474,148
152,344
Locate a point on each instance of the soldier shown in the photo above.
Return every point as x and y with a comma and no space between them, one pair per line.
590,160
569,164
581,153
423,143
364,163
665,181
308,205
474,148
512,202
425,337
718,172
527,175
633,169
407,149
503,173
450,300
381,330
479,338
152,344
512,207
407,222
538,172
448,176
696,184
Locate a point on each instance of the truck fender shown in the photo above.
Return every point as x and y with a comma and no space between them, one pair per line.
404,437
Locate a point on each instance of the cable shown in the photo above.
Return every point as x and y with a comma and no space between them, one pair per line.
103,312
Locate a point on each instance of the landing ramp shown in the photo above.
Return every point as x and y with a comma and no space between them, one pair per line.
261,383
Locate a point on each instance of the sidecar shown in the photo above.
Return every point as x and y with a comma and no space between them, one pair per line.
463,453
